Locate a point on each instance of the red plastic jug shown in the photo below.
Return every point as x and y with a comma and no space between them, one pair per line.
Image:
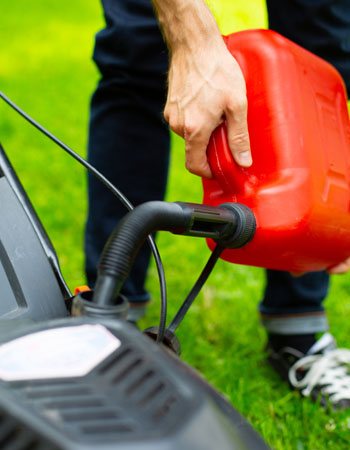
298,185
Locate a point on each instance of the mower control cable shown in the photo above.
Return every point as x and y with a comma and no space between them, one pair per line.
121,197
196,288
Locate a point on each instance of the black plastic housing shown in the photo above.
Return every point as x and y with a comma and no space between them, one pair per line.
140,397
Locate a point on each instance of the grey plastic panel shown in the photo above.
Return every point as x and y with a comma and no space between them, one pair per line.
8,300
28,286
7,171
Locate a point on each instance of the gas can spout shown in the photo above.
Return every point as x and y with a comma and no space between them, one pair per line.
230,225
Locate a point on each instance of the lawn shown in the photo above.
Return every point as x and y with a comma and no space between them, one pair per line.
46,68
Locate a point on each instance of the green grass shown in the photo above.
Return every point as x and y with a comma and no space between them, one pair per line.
46,68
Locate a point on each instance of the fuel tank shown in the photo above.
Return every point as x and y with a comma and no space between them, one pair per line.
298,185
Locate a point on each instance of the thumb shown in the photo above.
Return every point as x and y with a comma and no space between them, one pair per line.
237,133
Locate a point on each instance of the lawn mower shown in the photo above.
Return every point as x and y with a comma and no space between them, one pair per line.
74,374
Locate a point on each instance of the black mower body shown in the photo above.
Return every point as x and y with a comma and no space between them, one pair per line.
83,383
139,397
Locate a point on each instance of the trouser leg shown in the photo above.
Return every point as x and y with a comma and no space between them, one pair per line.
293,305
128,140
321,26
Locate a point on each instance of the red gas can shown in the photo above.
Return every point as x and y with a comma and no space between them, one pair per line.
298,185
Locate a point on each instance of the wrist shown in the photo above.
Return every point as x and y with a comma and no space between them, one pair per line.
187,24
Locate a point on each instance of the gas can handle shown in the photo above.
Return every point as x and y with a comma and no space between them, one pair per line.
226,171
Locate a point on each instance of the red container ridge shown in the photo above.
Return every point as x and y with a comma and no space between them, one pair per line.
298,185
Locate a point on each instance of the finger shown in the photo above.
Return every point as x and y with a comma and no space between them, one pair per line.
196,142
340,268
174,121
196,160
237,132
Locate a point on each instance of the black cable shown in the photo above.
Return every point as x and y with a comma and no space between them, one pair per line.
119,195
196,288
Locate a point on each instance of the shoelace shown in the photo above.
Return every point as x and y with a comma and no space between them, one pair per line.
331,370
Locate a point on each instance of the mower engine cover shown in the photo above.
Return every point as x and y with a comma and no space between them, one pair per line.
77,384
298,185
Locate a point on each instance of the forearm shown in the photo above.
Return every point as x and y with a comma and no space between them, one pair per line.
186,23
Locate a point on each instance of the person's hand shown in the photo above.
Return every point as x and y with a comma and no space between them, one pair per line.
340,268
206,86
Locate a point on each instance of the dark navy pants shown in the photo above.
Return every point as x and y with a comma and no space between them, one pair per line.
129,140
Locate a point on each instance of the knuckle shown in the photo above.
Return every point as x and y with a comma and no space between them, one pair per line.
166,114
241,138
174,124
176,128
238,105
190,129
195,130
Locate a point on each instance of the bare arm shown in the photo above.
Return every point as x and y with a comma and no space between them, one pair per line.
206,84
